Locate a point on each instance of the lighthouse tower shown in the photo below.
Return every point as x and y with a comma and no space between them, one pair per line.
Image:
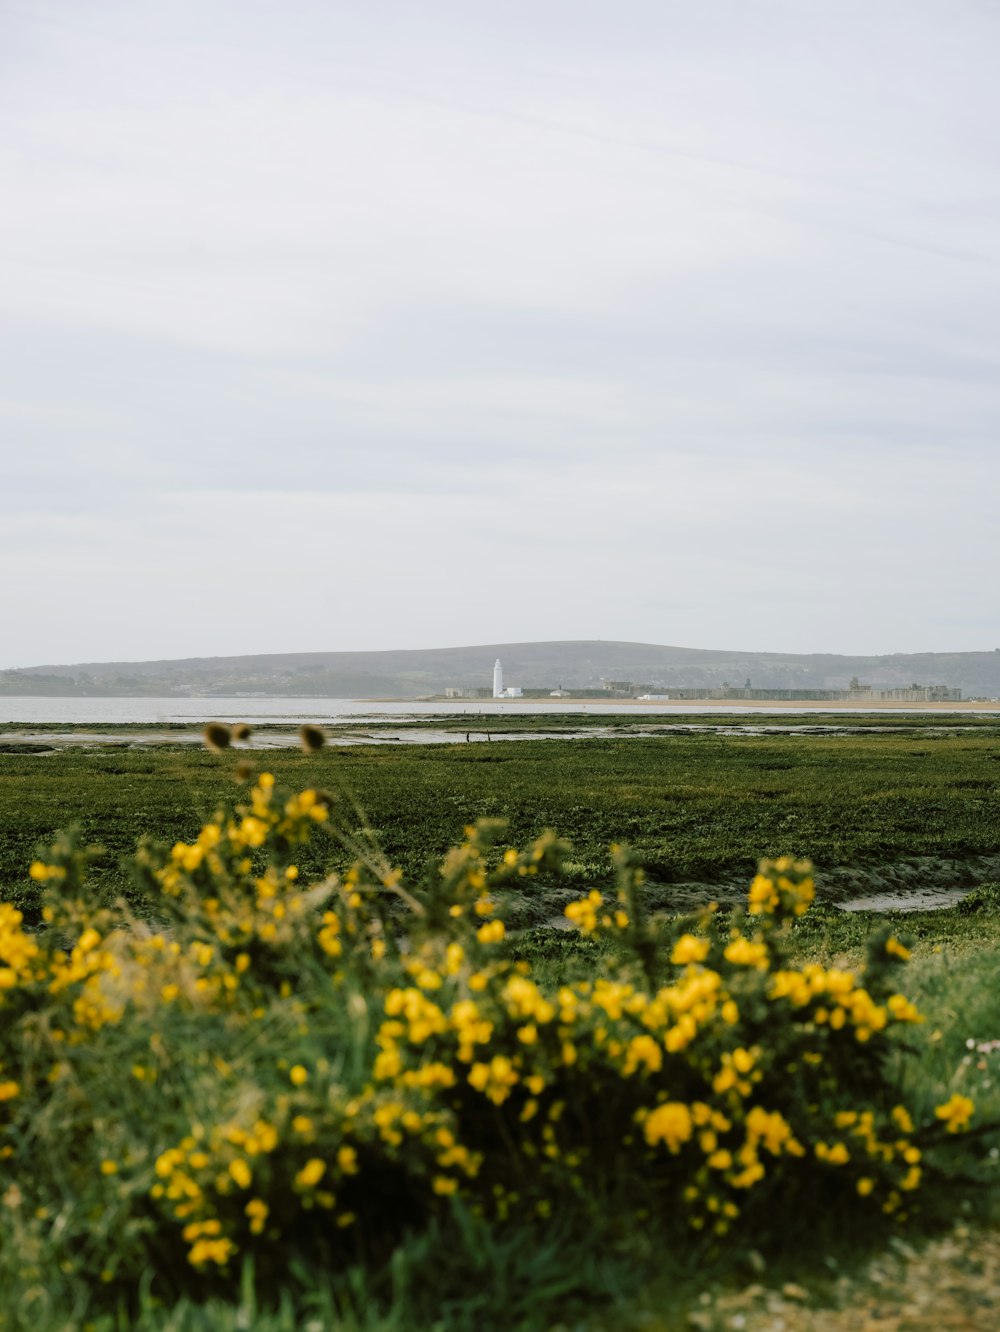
497,680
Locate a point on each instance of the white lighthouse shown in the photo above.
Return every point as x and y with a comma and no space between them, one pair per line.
498,680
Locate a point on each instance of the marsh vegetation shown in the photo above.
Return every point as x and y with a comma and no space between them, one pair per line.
295,1063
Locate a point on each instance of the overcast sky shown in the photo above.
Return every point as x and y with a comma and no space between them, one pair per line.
355,324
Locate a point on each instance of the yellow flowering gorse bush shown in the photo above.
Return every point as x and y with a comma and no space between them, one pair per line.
268,1067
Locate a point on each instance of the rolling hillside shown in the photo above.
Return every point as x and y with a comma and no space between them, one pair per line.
572,664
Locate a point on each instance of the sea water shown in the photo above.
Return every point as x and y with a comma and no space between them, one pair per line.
331,711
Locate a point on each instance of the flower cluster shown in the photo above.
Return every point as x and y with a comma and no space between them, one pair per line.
783,885
267,1061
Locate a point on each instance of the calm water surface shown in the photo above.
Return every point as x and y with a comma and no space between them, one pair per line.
331,711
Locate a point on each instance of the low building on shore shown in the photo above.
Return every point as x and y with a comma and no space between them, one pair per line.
855,693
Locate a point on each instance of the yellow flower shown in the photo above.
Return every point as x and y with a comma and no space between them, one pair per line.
211,1251
583,913
670,1123
955,1112
743,953
773,1130
902,1117
911,1180
39,871
783,883
902,1009
762,896
347,1160
748,1177
743,1060
240,1172
492,932
494,1079
311,1173
688,949
642,1052
836,1155
298,1075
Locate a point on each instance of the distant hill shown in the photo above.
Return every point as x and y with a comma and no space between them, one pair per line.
572,665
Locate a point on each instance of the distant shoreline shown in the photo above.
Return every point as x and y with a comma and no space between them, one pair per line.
724,704
196,711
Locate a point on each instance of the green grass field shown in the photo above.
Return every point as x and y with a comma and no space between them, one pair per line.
694,807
